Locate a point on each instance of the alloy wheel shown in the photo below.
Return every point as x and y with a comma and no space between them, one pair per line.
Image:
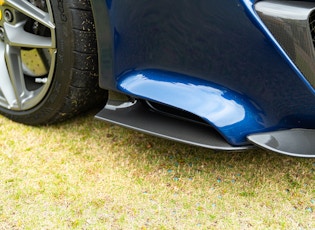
27,52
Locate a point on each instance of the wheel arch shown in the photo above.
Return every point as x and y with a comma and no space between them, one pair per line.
100,9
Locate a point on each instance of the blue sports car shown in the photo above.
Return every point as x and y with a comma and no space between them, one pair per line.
222,74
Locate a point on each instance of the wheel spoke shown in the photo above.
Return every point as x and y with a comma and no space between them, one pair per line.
5,81
32,11
17,36
13,60
27,53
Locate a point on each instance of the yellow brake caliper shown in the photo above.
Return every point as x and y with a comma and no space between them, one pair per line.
1,4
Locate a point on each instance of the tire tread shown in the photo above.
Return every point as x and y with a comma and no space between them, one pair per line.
84,92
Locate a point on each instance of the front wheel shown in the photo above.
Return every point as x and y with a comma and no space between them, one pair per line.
48,60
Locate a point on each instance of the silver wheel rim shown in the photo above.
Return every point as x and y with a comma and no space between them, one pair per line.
27,52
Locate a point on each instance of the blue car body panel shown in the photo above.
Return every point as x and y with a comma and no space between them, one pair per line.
233,115
214,59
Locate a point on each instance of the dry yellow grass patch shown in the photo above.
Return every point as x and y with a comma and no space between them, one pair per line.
85,174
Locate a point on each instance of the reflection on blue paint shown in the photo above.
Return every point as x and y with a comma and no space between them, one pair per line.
218,106
217,109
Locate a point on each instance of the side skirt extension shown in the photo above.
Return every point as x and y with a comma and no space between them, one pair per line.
293,142
137,116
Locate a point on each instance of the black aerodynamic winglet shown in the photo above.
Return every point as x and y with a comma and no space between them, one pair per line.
138,117
292,142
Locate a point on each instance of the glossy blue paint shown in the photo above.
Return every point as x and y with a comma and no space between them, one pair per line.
208,52
232,114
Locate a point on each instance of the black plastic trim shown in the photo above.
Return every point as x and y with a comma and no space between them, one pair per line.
292,142
137,115
104,43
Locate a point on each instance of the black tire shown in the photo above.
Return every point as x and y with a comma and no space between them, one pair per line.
70,84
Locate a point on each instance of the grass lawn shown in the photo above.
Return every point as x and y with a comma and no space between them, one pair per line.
86,174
